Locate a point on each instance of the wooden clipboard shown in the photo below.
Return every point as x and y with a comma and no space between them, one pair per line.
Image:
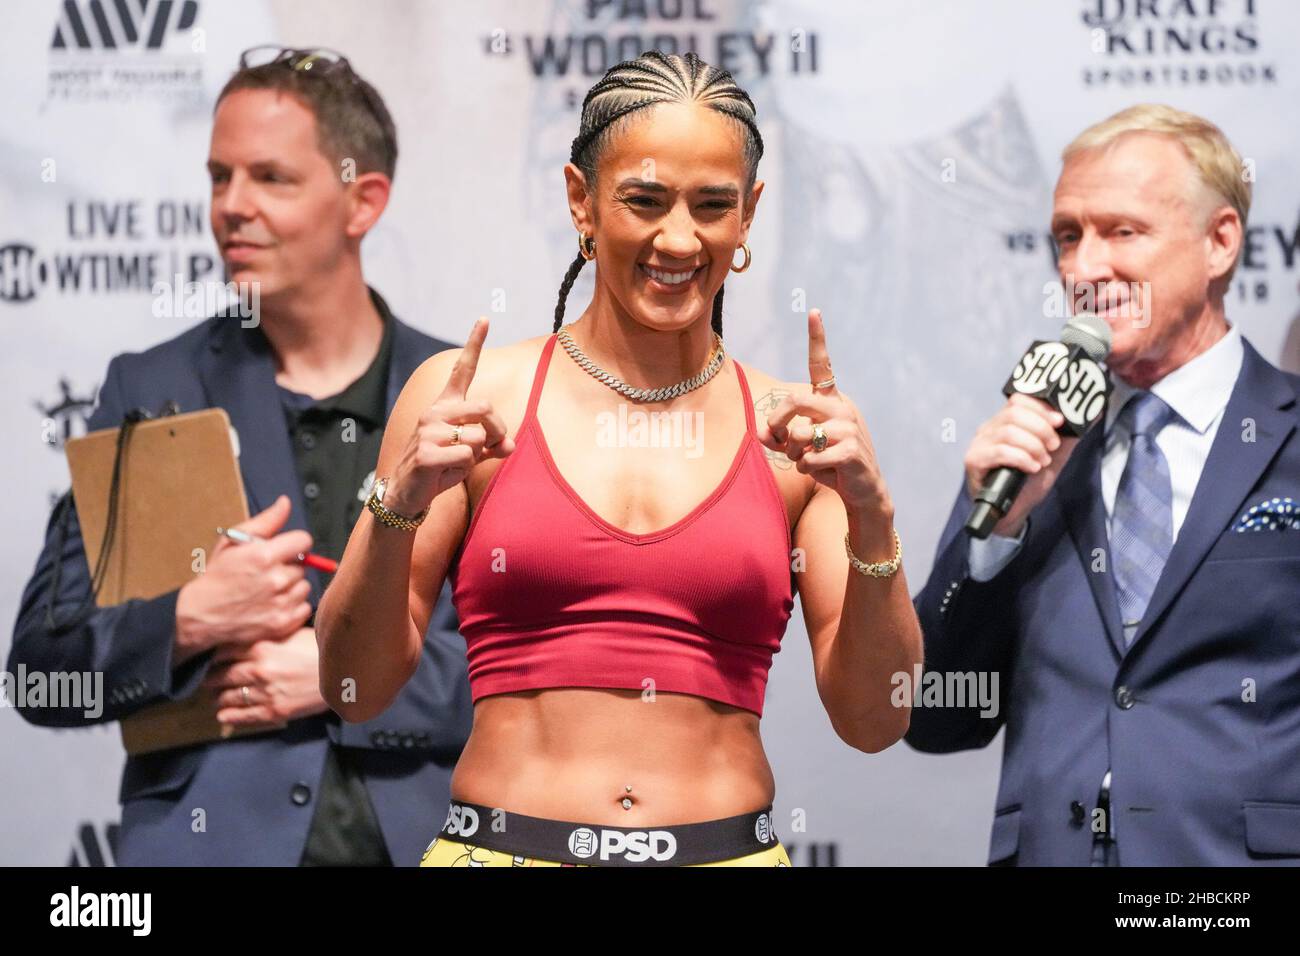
179,482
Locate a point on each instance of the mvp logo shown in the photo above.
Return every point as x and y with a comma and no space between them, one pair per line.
101,25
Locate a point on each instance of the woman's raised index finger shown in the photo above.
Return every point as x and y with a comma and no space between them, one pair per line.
819,360
462,373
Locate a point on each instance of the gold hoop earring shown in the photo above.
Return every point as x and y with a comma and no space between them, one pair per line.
587,246
744,248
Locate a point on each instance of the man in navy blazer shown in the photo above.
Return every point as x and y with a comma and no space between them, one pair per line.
1139,601
322,351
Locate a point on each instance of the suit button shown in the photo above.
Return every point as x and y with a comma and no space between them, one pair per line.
307,440
1123,697
311,491
1076,813
300,794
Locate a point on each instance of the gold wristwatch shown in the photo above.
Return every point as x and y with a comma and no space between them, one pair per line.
375,503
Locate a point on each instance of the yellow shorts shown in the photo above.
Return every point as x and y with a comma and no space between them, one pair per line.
446,852
477,835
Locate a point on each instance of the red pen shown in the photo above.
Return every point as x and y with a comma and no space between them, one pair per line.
309,559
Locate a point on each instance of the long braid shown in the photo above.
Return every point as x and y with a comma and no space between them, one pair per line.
574,268
653,78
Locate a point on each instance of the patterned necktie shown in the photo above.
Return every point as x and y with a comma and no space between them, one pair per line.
1142,523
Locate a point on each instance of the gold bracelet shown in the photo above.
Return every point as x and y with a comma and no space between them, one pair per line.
881,569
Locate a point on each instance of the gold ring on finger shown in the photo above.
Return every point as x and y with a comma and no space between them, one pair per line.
455,434
819,438
244,691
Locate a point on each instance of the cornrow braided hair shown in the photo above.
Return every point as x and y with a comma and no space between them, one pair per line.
651,79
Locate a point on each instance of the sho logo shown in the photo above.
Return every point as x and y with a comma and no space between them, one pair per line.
582,842
461,821
1064,377
1081,397
106,26
1040,368
21,273
763,828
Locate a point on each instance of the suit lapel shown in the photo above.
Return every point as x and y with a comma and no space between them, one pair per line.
410,349
1233,468
238,374
1079,496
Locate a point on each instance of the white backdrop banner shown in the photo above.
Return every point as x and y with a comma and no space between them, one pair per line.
912,150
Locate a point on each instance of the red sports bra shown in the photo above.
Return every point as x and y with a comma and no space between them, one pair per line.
551,595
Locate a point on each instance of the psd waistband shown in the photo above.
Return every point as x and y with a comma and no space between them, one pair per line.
594,844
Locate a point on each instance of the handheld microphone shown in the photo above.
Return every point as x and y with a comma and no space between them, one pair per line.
1069,376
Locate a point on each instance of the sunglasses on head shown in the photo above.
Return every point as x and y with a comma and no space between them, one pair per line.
316,61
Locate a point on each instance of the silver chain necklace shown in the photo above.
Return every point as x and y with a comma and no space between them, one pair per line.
642,394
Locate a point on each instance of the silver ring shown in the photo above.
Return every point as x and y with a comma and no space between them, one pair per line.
819,438
455,434
829,383
244,690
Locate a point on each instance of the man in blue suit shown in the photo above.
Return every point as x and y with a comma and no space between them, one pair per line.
1140,602
301,161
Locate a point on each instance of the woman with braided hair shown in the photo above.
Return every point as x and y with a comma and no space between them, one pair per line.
621,600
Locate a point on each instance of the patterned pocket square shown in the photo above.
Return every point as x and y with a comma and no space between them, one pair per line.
1271,514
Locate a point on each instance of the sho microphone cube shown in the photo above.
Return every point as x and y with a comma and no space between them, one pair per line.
1065,377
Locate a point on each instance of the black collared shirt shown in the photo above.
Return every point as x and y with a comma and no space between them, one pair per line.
335,445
